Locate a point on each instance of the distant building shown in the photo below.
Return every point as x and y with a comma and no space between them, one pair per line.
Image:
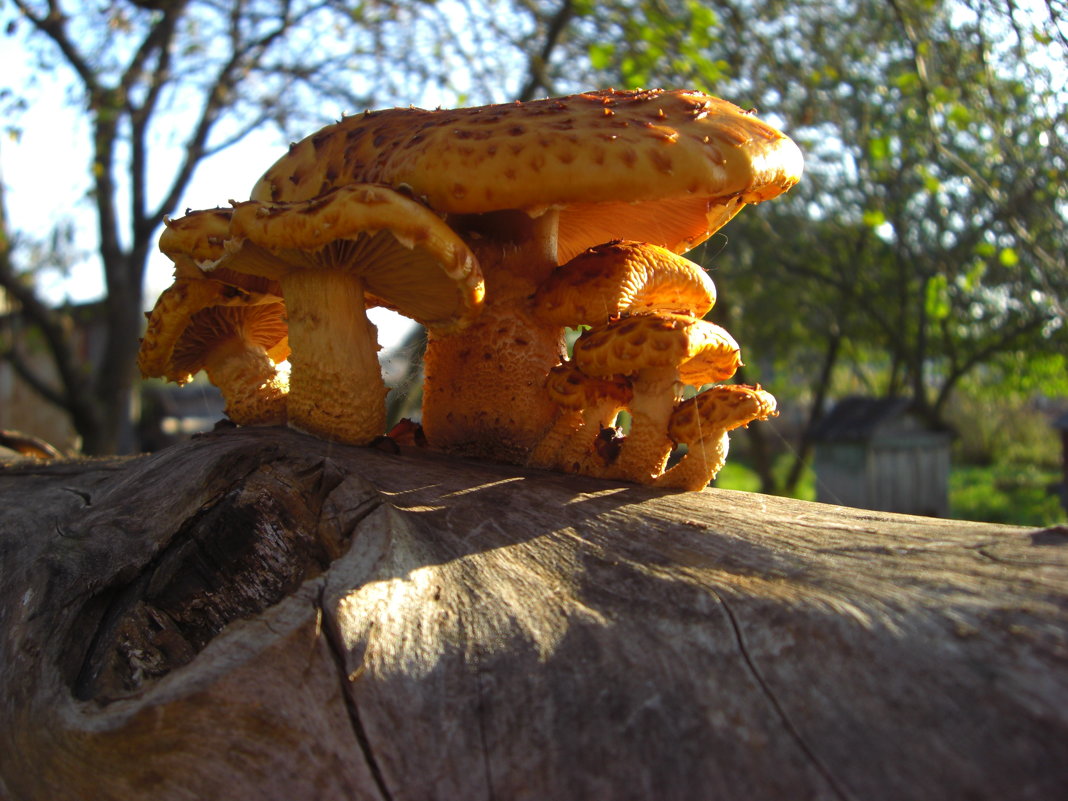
874,453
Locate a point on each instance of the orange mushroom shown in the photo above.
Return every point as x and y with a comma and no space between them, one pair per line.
333,256
658,354
623,277
530,186
234,330
702,422
588,405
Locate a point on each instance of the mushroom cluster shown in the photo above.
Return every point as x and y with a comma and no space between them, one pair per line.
643,307
499,228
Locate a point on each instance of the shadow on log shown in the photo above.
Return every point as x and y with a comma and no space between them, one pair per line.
257,614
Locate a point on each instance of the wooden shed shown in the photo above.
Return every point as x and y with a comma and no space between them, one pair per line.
874,453
1061,426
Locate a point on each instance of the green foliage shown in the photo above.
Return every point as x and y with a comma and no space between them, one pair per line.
1014,494
738,475
636,45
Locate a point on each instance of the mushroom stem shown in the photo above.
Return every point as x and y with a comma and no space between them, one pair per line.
568,429
646,447
483,389
702,463
703,422
336,387
254,389
579,455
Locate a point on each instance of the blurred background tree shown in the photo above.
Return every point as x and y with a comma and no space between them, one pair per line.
923,252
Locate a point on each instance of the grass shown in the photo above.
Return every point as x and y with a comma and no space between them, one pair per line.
1007,493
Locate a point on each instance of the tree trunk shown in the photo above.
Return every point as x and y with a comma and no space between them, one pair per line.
256,614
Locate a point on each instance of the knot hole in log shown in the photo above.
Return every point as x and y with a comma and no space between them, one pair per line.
245,550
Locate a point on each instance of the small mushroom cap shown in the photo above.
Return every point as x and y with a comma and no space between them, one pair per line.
196,241
667,167
409,259
720,409
700,351
176,309
263,325
570,388
623,277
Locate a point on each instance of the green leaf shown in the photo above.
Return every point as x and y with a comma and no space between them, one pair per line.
937,300
601,55
973,276
873,218
879,148
907,81
1008,257
959,115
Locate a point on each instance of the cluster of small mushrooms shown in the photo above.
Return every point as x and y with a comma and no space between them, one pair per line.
498,228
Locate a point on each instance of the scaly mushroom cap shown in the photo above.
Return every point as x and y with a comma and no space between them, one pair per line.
702,422
570,388
409,260
702,352
623,277
195,240
720,408
666,167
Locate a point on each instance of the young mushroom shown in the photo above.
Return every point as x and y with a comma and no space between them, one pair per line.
530,186
587,405
658,353
334,256
234,330
702,422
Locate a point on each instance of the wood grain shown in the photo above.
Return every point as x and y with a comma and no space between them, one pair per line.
257,614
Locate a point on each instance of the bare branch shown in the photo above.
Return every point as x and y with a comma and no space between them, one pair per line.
536,66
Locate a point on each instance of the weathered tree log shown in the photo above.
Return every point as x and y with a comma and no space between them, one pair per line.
257,614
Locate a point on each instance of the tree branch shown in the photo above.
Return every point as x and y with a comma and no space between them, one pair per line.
538,62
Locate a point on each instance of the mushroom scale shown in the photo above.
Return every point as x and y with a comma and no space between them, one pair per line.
334,255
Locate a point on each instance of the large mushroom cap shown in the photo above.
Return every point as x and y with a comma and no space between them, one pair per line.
408,259
665,167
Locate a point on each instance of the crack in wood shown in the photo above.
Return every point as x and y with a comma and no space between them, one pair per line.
836,786
335,646
481,717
